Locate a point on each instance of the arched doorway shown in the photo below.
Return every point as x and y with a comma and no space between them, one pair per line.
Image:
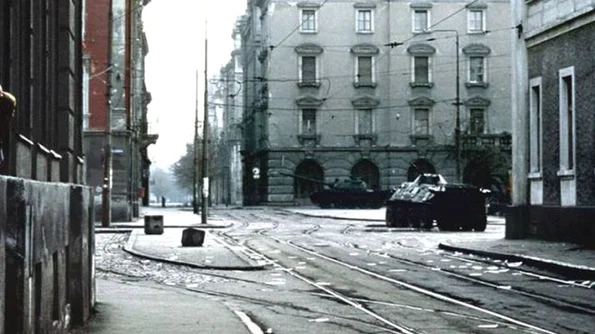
368,172
309,178
419,166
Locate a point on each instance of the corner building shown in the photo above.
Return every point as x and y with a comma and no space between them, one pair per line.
380,90
555,184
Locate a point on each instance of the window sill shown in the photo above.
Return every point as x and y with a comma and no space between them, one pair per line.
362,85
476,84
535,176
308,32
423,85
567,174
308,84
306,139
364,32
421,140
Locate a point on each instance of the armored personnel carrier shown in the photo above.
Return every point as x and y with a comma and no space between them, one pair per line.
430,199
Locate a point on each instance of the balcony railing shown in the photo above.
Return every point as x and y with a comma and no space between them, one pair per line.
501,140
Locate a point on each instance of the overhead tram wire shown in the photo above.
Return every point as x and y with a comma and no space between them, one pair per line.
410,38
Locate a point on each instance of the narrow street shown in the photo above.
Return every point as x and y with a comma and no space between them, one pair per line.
329,275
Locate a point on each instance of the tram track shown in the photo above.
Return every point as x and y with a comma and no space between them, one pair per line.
311,231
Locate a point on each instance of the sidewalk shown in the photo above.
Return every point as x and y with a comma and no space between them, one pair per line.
125,307
562,258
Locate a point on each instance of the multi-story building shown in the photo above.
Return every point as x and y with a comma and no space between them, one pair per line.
116,132
553,79
380,90
231,83
46,234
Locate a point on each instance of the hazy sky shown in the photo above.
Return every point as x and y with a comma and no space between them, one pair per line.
175,34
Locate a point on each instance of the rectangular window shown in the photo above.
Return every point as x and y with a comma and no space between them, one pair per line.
308,20
364,121
566,122
420,20
421,70
364,20
475,20
421,121
476,69
476,121
309,121
364,70
308,69
535,143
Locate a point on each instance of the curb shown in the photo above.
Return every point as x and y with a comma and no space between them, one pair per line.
129,248
332,217
565,269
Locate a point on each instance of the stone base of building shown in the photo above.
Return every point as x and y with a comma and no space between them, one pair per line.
566,224
517,222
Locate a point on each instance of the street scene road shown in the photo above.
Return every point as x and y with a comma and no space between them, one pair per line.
331,271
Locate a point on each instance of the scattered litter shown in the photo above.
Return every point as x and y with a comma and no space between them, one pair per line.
319,320
504,287
488,326
475,274
513,264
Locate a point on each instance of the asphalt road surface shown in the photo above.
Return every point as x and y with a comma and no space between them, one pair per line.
340,276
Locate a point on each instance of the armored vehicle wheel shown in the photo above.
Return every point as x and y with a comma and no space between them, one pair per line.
390,218
448,225
480,224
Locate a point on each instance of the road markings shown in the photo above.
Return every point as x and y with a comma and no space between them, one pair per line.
252,326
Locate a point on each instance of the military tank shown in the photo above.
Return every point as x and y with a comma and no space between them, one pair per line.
430,200
348,193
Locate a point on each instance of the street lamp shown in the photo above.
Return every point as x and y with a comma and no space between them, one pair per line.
457,98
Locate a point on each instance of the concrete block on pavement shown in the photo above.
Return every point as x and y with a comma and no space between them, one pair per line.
192,237
154,224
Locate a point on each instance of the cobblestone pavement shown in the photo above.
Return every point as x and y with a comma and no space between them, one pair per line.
112,261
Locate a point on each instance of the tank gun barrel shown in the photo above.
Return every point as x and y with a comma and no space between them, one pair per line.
306,178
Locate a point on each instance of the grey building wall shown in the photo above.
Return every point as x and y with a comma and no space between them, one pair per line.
558,36
273,97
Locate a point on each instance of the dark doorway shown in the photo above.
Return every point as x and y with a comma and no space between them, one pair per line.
368,172
309,179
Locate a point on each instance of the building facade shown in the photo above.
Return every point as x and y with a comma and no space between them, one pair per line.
230,142
117,133
46,235
554,184
380,90
43,141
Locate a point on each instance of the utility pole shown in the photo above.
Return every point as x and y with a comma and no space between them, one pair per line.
457,102
106,200
205,136
458,113
195,148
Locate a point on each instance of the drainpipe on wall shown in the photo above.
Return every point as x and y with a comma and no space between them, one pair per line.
517,216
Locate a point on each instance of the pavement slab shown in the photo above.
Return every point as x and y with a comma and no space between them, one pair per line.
215,253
